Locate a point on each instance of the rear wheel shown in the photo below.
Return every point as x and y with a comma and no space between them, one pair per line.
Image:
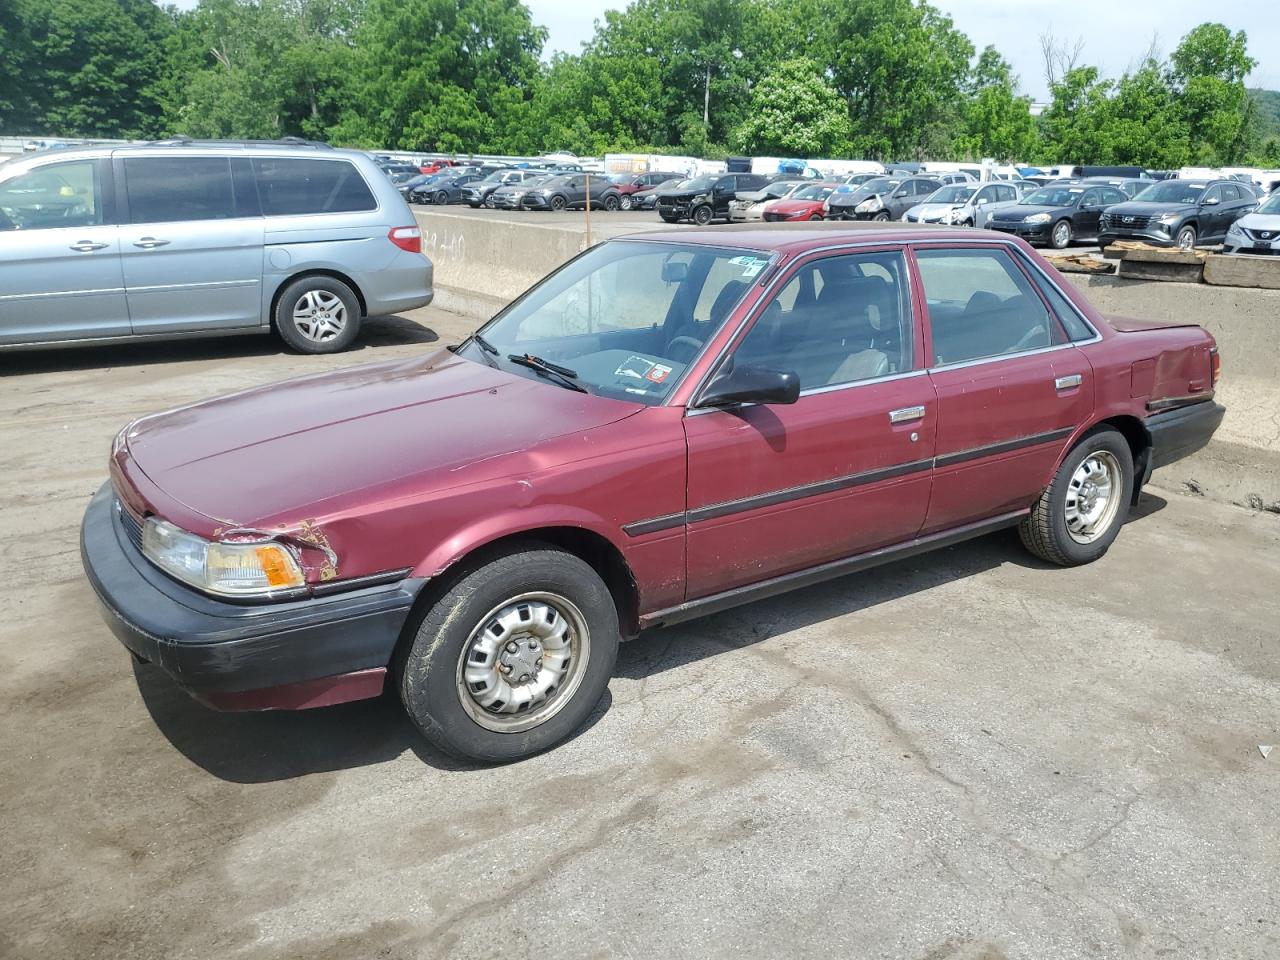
1186,238
513,658
1080,513
1060,235
611,203
318,315
702,216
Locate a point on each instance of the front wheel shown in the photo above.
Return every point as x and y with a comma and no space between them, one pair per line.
702,216
881,217
625,202
442,197
317,315
1060,235
1080,513
513,659
1186,239
558,203
669,219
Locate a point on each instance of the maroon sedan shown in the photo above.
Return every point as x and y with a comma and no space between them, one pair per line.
660,429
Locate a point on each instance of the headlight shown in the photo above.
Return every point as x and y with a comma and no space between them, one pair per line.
1169,218
1234,228
826,206
231,569
1037,218
869,206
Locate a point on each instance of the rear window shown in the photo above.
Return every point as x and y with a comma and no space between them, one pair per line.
170,189
298,185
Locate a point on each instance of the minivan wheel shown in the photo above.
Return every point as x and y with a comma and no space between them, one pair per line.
318,315
702,216
1186,239
513,659
1080,513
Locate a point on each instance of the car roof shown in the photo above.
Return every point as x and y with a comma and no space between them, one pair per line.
796,238
203,148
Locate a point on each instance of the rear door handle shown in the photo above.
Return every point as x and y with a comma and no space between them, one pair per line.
906,414
1066,383
146,243
85,246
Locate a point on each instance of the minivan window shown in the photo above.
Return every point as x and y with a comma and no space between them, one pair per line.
54,195
168,189
290,186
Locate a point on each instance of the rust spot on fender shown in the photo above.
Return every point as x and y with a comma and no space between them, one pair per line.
309,533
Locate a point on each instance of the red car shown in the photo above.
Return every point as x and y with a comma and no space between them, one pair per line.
804,204
662,428
435,166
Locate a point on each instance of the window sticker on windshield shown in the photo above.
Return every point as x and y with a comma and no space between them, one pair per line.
658,373
750,265
637,367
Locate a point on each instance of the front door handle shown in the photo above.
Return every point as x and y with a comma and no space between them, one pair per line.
85,246
146,243
906,414
1066,383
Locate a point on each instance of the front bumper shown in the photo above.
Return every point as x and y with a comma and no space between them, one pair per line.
293,654
1180,432
1028,231
1156,237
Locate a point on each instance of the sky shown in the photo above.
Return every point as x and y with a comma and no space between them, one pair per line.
1116,33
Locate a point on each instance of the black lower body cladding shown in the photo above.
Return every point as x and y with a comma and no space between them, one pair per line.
1181,431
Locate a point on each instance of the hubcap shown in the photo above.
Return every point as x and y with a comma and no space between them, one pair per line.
523,662
1063,234
1093,497
320,315
1186,240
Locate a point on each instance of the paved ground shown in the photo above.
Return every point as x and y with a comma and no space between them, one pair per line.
965,755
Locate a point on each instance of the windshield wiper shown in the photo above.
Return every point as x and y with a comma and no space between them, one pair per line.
552,371
487,347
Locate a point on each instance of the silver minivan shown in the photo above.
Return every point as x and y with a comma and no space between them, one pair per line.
186,238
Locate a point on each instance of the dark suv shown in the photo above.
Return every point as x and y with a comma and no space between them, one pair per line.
704,199
1178,213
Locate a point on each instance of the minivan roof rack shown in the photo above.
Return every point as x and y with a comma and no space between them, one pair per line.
181,140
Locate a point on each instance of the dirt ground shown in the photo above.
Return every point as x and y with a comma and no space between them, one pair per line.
964,755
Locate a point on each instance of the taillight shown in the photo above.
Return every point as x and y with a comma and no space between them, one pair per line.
1215,363
406,238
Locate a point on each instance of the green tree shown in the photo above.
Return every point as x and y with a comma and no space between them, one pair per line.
794,111
1207,72
997,120
1071,128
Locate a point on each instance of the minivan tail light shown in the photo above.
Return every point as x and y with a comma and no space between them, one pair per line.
406,238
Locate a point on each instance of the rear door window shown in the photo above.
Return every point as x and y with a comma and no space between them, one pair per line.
291,186
173,189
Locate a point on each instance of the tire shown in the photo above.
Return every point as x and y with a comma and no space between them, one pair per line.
474,204
442,198
1060,235
559,203
667,219
816,218
456,633
1054,530
611,203
317,315
625,202
881,217
702,216
1186,238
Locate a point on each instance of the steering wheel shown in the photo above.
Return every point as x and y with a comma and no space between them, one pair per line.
693,342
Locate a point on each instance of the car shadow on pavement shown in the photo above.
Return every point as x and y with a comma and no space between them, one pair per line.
280,745
668,648
375,332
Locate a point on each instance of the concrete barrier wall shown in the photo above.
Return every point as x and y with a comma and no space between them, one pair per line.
484,262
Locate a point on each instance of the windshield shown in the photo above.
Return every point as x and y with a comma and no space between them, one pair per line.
1173,191
496,176
1053,197
815,192
1270,205
627,316
700,183
780,188
953,194
877,184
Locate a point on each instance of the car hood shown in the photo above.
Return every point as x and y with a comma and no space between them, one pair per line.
935,210
1260,221
794,206
1020,211
279,453
753,196
1147,208
853,197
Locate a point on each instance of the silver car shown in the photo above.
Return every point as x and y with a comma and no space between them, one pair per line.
749,204
1257,233
187,238
965,204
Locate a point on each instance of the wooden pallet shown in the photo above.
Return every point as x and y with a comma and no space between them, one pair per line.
1080,263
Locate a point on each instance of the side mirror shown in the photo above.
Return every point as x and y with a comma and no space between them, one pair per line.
1211,202
744,384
